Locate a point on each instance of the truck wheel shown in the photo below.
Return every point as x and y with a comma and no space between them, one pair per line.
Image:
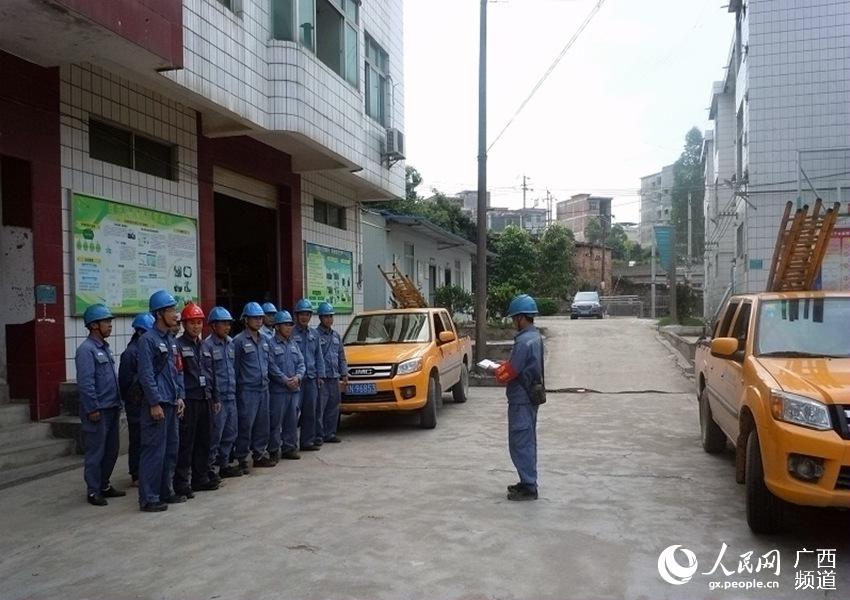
713,438
428,413
460,390
764,510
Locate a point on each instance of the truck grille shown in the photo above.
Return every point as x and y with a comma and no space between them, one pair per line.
843,482
379,397
371,371
841,420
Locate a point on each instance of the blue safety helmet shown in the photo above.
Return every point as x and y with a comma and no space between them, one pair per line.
219,313
303,305
252,309
325,309
282,317
143,322
522,305
161,299
269,308
95,313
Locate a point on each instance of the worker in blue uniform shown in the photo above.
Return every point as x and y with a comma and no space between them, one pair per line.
523,374
100,405
307,339
269,311
162,384
336,373
131,392
284,395
192,472
253,369
218,354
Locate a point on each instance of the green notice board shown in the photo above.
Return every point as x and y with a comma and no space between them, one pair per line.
329,277
123,253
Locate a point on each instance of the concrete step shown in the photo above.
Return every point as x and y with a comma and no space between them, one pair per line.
14,413
70,397
4,392
33,453
10,477
22,434
67,427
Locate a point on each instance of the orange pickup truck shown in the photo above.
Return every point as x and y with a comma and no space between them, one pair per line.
774,379
402,360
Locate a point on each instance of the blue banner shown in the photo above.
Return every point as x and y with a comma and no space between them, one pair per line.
664,245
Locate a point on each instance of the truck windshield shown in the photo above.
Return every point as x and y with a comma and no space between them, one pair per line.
808,327
388,328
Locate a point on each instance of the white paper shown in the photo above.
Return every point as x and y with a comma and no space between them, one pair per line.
488,364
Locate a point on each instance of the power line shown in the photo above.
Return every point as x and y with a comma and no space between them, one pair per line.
549,71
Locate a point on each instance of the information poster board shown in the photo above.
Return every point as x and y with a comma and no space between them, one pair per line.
329,277
123,253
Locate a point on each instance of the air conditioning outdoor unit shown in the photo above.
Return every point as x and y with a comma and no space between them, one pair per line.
395,146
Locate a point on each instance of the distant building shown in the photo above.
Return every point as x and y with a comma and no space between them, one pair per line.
579,209
534,220
632,231
656,202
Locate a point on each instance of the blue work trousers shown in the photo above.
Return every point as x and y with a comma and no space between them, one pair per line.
252,407
310,427
134,431
101,439
160,441
522,441
284,409
330,396
225,429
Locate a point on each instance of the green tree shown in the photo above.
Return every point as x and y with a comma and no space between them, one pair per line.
618,242
689,183
516,261
447,214
593,231
412,179
556,274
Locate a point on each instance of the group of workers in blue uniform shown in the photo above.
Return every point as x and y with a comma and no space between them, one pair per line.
198,407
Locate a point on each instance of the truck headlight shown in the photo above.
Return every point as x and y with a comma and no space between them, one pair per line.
409,366
799,410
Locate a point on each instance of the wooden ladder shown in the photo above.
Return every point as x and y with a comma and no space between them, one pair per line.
405,292
800,247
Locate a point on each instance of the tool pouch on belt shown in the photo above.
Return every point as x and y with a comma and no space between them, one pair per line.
537,394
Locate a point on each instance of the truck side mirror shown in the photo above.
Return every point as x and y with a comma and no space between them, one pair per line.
447,336
724,347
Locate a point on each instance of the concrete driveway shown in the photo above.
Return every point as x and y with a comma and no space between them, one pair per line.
395,512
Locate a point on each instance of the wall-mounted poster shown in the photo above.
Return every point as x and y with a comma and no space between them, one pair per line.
329,277
123,253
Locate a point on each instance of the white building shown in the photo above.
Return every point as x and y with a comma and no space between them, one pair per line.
781,124
431,256
259,126
656,202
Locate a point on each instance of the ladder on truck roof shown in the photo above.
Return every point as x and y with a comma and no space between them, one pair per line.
800,247
405,292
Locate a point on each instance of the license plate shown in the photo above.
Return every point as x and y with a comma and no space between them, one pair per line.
362,389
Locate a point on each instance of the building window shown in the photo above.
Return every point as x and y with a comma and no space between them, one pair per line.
232,5
127,149
328,214
409,261
377,75
329,28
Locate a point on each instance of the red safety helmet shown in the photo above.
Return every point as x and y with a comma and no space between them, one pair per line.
192,311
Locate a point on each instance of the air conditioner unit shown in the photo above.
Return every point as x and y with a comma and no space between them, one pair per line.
395,145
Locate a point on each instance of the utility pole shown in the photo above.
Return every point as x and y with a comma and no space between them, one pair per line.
652,278
690,231
481,251
671,276
549,218
525,189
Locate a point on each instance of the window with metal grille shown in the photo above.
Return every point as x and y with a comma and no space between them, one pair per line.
127,149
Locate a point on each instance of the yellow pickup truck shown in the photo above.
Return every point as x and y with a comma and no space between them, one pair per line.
402,360
774,379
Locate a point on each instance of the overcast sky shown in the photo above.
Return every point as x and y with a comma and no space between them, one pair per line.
616,108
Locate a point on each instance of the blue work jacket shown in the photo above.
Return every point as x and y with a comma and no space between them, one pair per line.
252,363
219,355
307,339
527,361
96,380
333,353
287,356
159,376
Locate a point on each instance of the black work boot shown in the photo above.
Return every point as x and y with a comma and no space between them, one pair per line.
243,466
522,492
154,507
264,462
205,486
96,500
213,477
230,471
111,492
274,456
291,455
184,491
175,499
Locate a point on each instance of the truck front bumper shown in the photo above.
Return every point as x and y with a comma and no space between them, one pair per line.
398,394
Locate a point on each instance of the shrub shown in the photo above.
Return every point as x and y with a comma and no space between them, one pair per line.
498,298
547,306
453,298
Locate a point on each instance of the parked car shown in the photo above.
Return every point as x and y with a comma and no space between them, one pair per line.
401,360
586,304
774,380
